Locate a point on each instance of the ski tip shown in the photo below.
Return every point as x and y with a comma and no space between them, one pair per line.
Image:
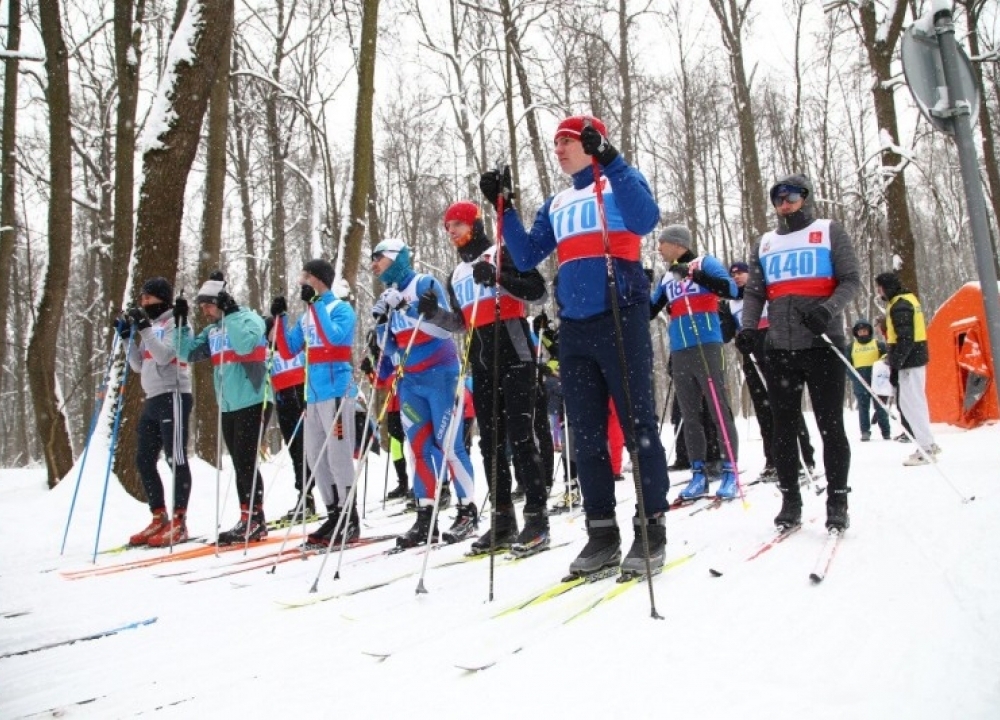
476,668
714,573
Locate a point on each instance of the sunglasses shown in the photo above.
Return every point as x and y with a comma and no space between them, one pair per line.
790,198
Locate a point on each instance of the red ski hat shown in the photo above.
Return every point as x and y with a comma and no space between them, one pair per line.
463,211
571,127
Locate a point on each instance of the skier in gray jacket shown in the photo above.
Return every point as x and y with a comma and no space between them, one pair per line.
807,271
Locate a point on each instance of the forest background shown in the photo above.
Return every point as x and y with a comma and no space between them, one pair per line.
163,137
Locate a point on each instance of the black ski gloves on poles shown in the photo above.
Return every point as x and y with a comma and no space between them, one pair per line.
597,145
496,182
817,320
484,273
279,306
180,310
137,317
745,340
224,301
428,305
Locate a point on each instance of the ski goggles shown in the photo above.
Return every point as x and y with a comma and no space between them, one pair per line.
787,193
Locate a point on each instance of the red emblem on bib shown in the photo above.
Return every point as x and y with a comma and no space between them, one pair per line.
815,237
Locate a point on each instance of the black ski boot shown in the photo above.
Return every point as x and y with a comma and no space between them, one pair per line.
836,509
534,538
466,522
239,533
791,509
504,529
294,515
634,563
320,537
417,535
401,491
603,548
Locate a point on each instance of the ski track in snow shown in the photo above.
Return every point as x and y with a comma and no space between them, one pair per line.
905,625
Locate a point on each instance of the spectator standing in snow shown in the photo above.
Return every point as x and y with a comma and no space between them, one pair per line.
806,271
906,334
865,352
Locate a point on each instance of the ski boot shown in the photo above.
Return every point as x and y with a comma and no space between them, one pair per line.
239,532
603,549
634,564
837,517
697,485
568,501
157,524
790,515
466,522
173,533
417,535
503,534
729,487
534,538
401,491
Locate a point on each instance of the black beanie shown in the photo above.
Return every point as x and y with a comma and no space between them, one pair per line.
321,270
159,288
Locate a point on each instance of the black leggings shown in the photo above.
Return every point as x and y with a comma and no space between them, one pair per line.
154,433
823,373
241,431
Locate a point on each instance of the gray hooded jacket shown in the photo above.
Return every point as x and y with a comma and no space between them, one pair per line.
785,313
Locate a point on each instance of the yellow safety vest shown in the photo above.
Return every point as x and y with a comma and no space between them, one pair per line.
864,354
919,328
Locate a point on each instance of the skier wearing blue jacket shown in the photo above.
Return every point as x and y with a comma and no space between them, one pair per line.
572,225
325,332
690,289
426,388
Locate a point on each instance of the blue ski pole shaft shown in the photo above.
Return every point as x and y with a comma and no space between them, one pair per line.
111,448
101,392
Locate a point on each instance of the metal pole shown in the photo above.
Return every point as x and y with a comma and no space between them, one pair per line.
960,114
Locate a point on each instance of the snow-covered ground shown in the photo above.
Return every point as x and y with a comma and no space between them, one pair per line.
906,625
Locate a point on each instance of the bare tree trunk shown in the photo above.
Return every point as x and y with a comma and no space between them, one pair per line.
241,143
880,42
363,143
527,99
624,75
166,164
41,370
128,54
278,274
8,168
215,171
732,18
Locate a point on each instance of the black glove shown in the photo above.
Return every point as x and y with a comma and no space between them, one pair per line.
307,293
372,341
380,311
541,321
428,305
680,270
894,377
138,318
180,310
817,319
366,366
597,145
495,183
123,327
279,306
224,301
745,340
484,273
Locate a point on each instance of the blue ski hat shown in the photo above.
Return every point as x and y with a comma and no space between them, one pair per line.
399,252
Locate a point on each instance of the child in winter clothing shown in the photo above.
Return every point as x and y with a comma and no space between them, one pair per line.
865,351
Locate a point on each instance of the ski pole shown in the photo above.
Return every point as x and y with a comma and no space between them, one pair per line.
268,391
98,408
496,384
931,461
114,442
631,441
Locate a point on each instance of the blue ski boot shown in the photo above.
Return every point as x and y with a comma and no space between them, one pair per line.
729,487
698,485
